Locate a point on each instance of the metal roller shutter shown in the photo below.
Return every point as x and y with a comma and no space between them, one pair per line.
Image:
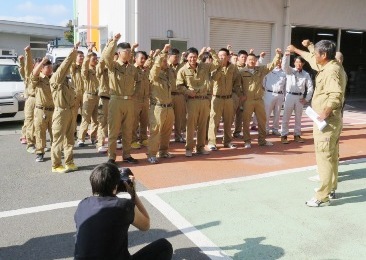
241,35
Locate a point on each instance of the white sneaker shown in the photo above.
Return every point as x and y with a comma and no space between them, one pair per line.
188,153
230,145
80,143
212,147
247,145
313,202
102,149
315,178
119,145
152,160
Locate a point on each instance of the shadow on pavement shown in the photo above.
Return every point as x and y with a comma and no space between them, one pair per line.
59,246
253,249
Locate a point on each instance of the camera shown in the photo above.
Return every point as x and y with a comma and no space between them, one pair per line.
124,174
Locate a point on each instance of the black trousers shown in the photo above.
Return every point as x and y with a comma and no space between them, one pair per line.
158,250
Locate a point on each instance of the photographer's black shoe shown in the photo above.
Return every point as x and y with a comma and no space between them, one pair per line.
112,161
130,160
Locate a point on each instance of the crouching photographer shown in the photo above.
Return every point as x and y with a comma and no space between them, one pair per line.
102,220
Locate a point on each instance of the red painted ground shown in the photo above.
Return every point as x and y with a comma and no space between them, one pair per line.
226,163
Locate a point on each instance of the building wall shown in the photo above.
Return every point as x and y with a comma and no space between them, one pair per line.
190,19
15,42
329,13
142,20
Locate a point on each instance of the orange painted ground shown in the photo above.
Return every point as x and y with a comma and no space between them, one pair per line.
226,163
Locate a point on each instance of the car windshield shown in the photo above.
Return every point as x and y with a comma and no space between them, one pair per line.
9,73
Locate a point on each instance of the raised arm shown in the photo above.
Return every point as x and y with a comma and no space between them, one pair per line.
276,58
155,70
85,66
37,69
108,54
215,63
21,67
309,57
28,61
286,63
60,74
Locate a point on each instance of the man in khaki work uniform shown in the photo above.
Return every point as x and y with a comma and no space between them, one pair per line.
31,100
90,98
252,82
23,137
141,100
237,92
78,82
123,77
40,83
192,78
63,121
103,106
179,100
327,101
225,78
161,112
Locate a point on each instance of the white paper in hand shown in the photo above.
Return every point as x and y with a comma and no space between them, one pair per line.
314,116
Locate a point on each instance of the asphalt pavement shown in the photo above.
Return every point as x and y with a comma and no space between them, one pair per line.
37,206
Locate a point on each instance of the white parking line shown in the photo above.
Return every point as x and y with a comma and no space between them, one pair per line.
147,193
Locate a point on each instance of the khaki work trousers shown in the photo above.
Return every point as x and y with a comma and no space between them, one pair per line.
237,114
63,127
180,111
326,144
141,120
161,123
197,114
121,116
29,107
256,106
78,104
103,108
221,108
24,128
42,123
90,114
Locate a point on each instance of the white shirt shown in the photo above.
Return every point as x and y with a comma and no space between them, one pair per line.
275,81
297,81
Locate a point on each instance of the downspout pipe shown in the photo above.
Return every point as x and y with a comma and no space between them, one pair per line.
136,20
204,3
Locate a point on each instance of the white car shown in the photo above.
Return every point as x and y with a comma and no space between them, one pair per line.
59,54
12,98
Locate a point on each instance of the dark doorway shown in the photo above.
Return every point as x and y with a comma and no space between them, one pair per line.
353,47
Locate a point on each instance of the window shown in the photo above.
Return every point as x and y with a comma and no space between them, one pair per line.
159,44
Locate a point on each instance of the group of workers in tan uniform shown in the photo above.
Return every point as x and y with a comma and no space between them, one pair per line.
50,104
120,100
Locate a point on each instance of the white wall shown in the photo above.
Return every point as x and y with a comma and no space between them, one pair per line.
15,42
187,19
190,22
184,17
350,14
